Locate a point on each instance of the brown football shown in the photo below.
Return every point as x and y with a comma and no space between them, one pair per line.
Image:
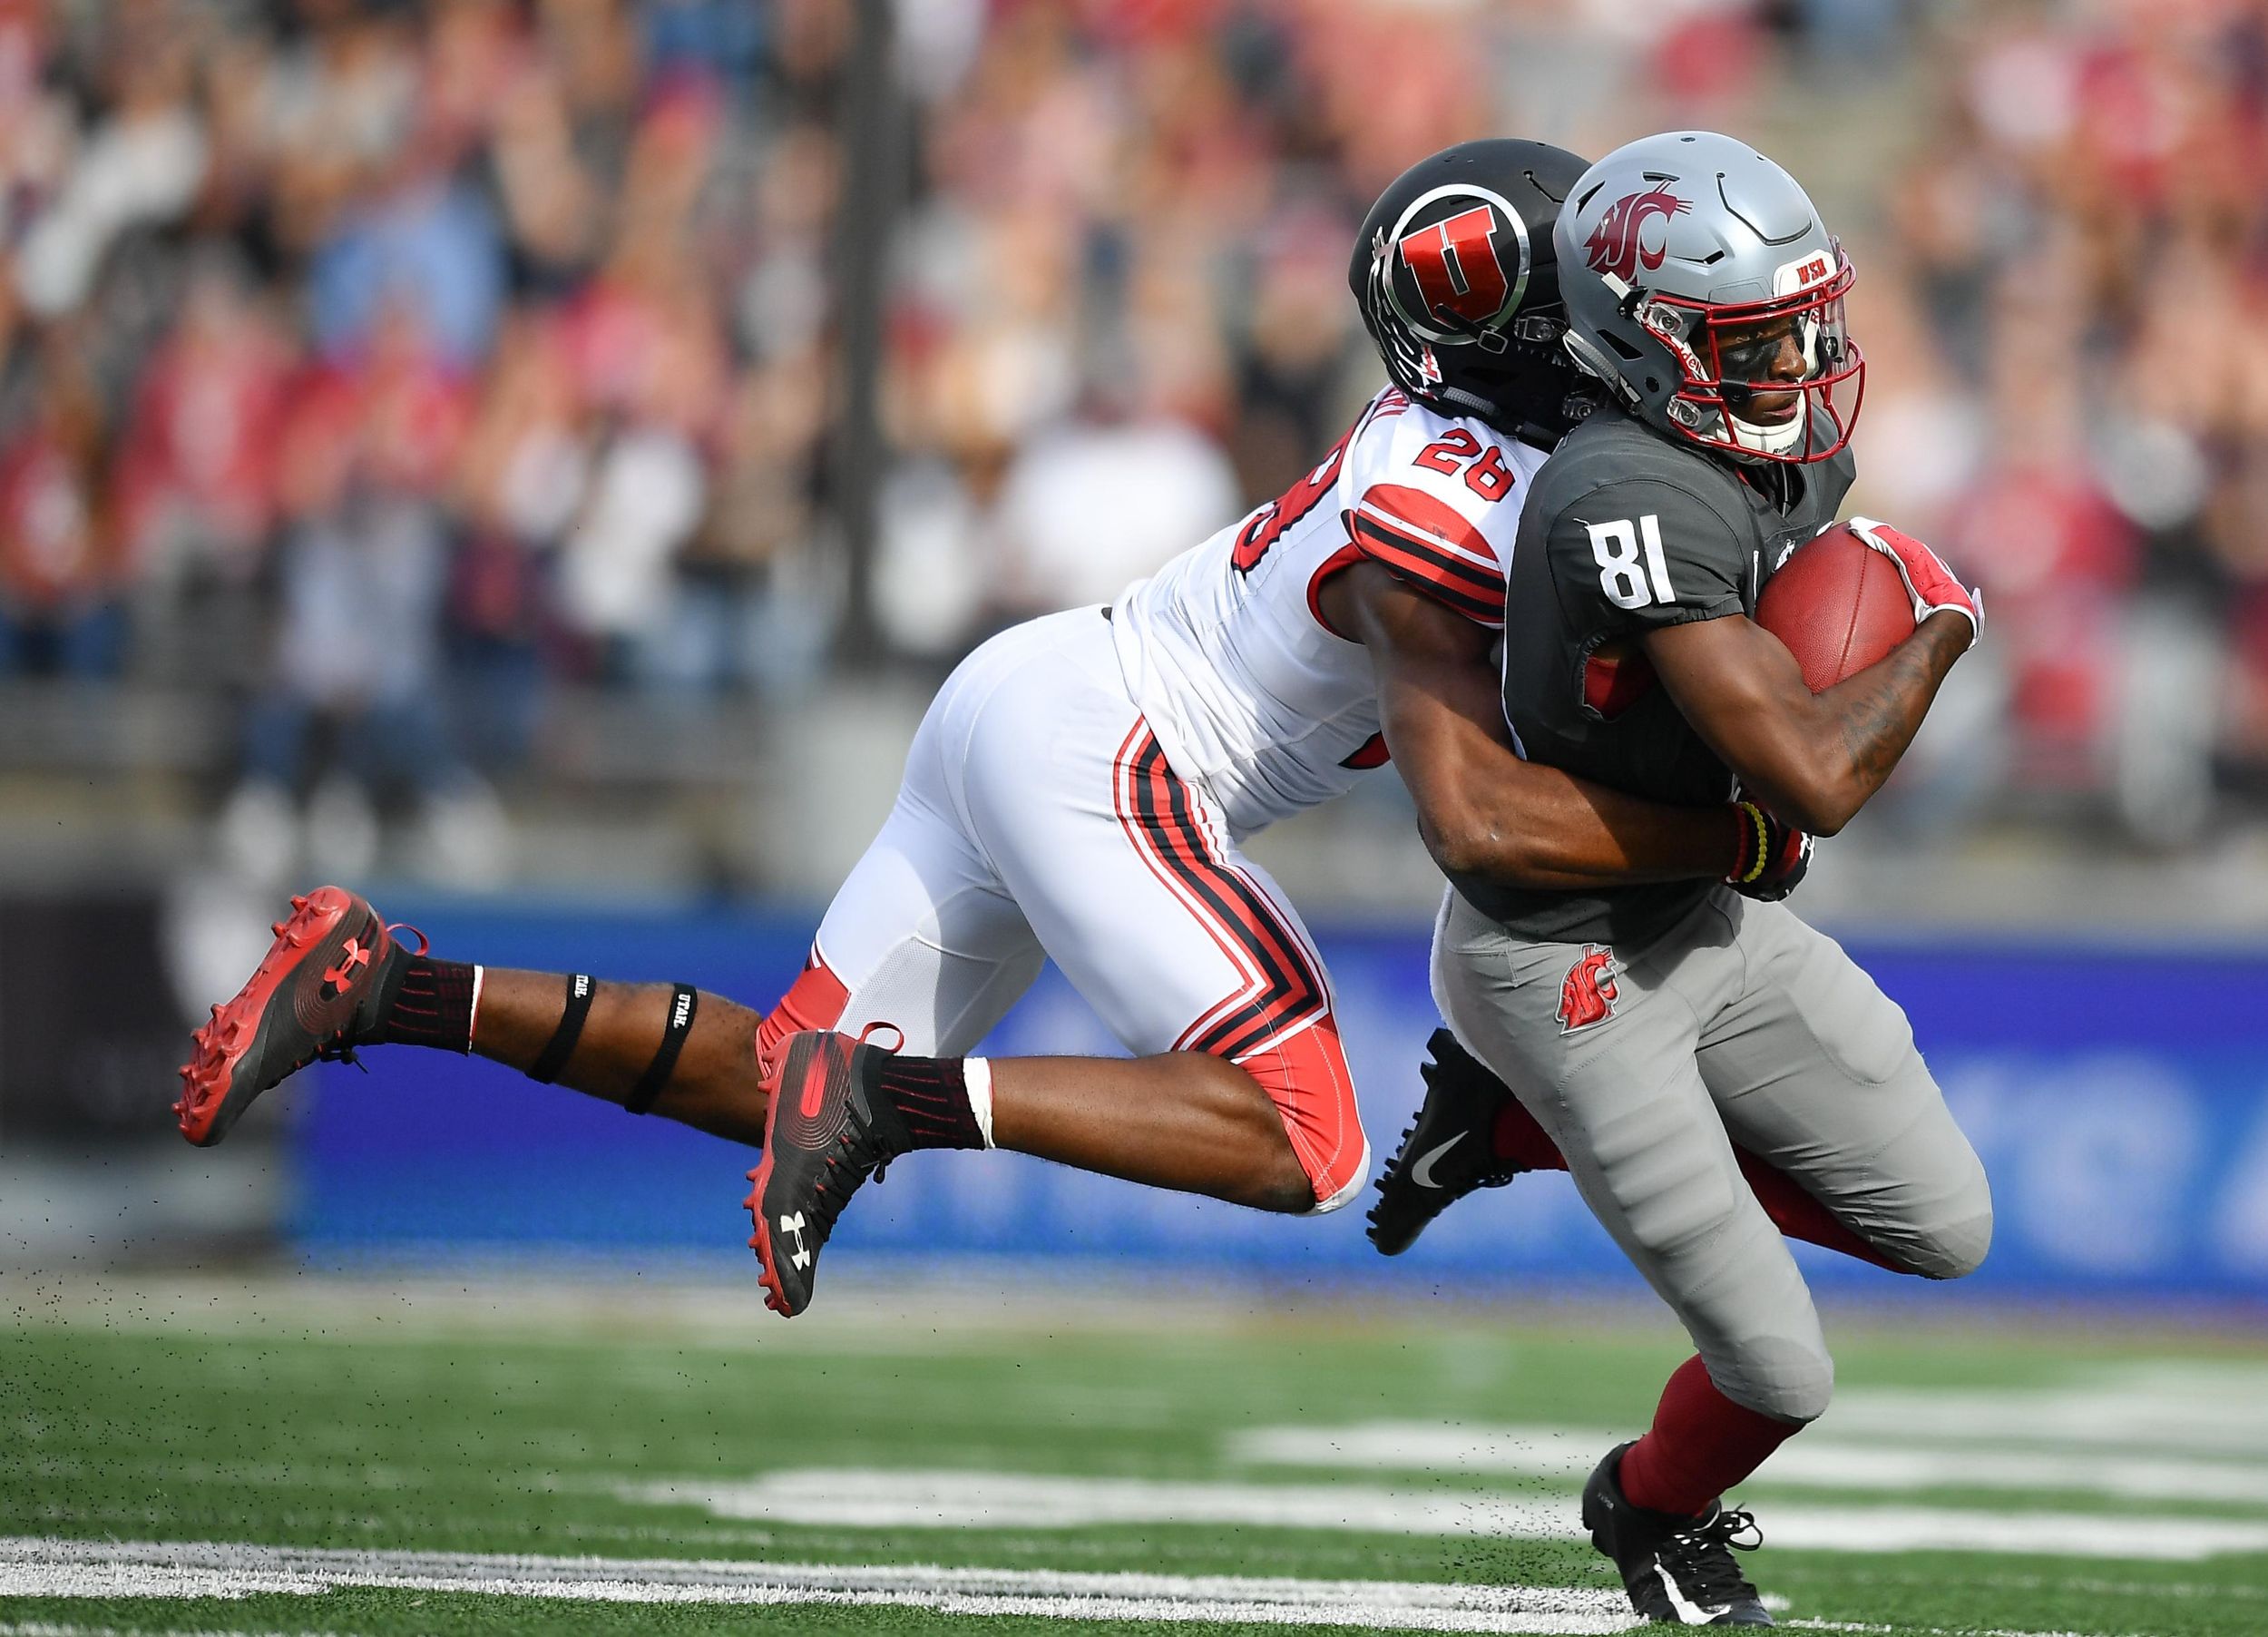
1839,606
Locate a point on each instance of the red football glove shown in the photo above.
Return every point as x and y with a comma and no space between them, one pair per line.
1929,582
1772,858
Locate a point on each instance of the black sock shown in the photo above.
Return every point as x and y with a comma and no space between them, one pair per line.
932,1097
432,1006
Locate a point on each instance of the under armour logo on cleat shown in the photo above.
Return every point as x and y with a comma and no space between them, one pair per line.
793,1226
336,979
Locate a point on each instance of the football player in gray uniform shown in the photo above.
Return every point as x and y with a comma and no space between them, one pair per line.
1663,1036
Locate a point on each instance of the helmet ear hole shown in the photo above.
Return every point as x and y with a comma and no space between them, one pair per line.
1630,355
1592,361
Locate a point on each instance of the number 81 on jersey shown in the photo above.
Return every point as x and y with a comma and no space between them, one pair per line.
1629,582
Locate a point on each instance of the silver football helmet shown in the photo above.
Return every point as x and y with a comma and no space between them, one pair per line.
1703,289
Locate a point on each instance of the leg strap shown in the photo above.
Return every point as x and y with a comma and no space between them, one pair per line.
562,1046
684,1002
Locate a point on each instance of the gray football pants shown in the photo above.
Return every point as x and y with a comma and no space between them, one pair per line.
1741,1024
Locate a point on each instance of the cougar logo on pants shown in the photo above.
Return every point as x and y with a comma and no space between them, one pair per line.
1586,994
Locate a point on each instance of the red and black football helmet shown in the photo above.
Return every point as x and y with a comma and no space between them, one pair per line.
1459,286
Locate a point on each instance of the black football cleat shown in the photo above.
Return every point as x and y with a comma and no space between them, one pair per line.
322,990
1447,1150
825,1131
1678,1570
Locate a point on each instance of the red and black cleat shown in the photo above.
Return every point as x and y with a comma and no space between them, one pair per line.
321,991
826,1130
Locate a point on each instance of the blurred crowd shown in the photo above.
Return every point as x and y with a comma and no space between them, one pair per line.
370,366
2073,388
376,366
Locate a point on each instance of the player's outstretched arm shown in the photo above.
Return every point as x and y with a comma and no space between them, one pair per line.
1483,810
1814,759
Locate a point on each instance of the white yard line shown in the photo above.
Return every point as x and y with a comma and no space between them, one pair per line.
1817,1461
56,1568
43,1567
873,1499
2218,1411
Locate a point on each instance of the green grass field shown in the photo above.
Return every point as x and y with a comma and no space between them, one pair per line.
301,1455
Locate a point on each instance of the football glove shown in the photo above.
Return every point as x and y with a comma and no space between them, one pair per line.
1931,585
1772,855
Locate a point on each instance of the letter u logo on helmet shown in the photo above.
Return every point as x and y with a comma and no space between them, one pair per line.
1454,274
1448,275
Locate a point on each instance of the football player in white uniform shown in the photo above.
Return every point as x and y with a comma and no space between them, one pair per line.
1081,788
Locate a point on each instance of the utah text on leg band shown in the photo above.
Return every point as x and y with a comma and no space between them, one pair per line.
684,1001
561,1045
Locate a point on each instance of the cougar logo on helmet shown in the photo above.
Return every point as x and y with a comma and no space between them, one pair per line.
1588,992
1617,245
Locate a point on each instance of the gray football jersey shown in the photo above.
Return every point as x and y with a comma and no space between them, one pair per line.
1625,532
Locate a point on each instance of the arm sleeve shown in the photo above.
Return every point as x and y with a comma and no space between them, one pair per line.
1634,556
1431,545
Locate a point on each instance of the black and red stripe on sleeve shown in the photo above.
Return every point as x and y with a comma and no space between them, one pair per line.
1427,543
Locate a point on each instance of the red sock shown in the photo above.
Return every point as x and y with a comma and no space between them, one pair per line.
1518,1138
1800,1217
1702,1444
432,1006
931,1094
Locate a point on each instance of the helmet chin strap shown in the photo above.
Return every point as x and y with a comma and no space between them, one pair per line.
1766,440
1467,403
1487,409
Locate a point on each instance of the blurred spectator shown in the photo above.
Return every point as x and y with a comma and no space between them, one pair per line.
59,590
525,467
141,162
1091,505
194,477
429,243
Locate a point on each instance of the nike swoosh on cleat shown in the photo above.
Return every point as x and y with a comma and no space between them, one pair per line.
1688,1611
1421,1173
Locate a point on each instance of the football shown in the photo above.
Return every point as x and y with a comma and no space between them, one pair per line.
1838,604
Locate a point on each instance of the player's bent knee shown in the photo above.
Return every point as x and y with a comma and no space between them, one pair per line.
1306,1076
1955,1234
1954,1251
1776,1375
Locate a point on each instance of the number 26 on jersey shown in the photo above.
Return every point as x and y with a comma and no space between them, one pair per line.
1632,570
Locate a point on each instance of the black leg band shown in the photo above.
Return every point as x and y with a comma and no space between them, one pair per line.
683,1003
562,1046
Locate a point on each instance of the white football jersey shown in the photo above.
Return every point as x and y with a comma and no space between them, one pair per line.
1226,651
